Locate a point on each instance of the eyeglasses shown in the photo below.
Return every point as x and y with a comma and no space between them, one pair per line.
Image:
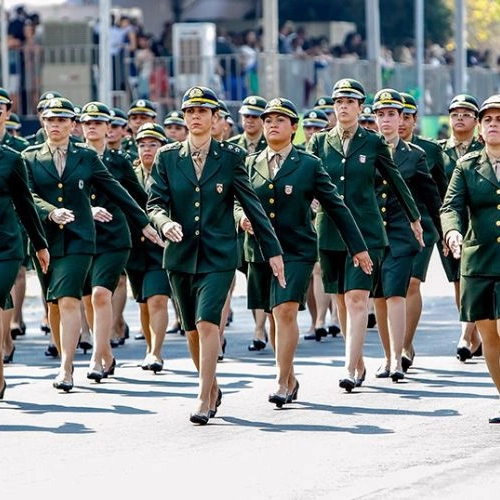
462,115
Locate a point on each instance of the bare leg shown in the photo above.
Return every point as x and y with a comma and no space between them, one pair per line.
102,323
69,308
490,333
8,344
413,313
18,294
311,305
158,321
396,316
2,333
54,317
260,324
383,331
118,302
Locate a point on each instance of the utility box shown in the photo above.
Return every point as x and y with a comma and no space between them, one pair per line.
194,61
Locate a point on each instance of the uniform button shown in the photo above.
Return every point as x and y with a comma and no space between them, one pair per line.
272,215
384,195
197,189
143,238
342,177
197,233
60,185
384,182
196,203
498,239
197,218
498,191
498,207
498,223
92,197
342,196
385,223
271,186
61,226
271,200
59,198
383,209
343,160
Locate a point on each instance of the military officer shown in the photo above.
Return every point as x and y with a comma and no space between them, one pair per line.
141,111
40,136
191,202
367,118
15,201
325,104
287,180
475,188
394,278
435,163
463,114
14,125
61,174
175,126
352,155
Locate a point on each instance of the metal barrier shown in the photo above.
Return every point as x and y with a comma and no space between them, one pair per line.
73,71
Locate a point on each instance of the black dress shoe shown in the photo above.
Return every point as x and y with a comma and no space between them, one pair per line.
126,333
8,358
156,366
347,383
277,399
257,345
372,320
463,354
110,370
478,352
360,380
406,363
85,346
23,328
333,330
45,329
52,351
96,375
292,396
63,385
220,357
139,336
199,418
493,420
396,376
15,332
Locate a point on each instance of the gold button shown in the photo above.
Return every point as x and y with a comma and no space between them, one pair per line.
60,185
498,191
271,200
271,186
383,209
384,195
197,233
92,197
197,218
498,222
143,238
384,182
498,207
61,226
197,189
343,160
342,177
59,198
272,215
196,203
342,196
385,223
498,239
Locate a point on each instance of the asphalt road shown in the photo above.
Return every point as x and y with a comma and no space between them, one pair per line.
427,437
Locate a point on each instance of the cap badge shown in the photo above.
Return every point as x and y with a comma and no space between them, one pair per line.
252,100
385,96
92,108
141,103
275,102
196,92
344,84
313,115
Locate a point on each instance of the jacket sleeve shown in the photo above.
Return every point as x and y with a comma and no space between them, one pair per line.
454,208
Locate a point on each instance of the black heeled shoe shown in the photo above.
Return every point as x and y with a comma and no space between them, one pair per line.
199,418
347,383
126,332
463,354
114,343
85,346
372,320
277,399
52,351
8,358
63,385
257,345
96,375
333,330
478,352
294,394
110,370
360,380
156,366
2,392
22,327
15,332
45,328
319,333
218,402
220,357
406,363
382,372
396,376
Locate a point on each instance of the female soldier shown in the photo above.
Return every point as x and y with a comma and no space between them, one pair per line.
287,180
392,285
15,198
191,203
154,287
113,241
61,174
475,189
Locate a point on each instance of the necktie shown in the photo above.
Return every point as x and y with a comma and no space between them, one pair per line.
461,148
496,168
198,163
274,165
59,158
251,148
345,140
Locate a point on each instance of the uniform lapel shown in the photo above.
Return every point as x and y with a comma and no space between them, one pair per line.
213,161
43,158
73,157
356,141
334,140
260,165
185,163
290,164
484,169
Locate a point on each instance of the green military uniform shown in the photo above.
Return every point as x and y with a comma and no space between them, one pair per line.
129,146
241,140
471,206
15,202
17,143
451,266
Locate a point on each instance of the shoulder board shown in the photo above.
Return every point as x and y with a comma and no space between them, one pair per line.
415,147
171,146
442,142
303,152
470,155
232,148
34,147
82,145
235,138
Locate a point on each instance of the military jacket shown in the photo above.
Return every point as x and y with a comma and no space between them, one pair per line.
204,207
84,171
450,155
17,143
287,201
475,189
241,141
411,163
16,201
354,175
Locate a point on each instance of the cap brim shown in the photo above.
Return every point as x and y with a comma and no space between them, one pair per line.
493,105
250,110
48,113
463,105
94,118
314,123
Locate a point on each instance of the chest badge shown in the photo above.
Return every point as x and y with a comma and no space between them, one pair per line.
288,189
81,184
219,188
362,159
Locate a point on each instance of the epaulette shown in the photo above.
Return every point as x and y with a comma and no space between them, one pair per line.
232,148
415,147
170,146
304,152
234,138
34,147
470,155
